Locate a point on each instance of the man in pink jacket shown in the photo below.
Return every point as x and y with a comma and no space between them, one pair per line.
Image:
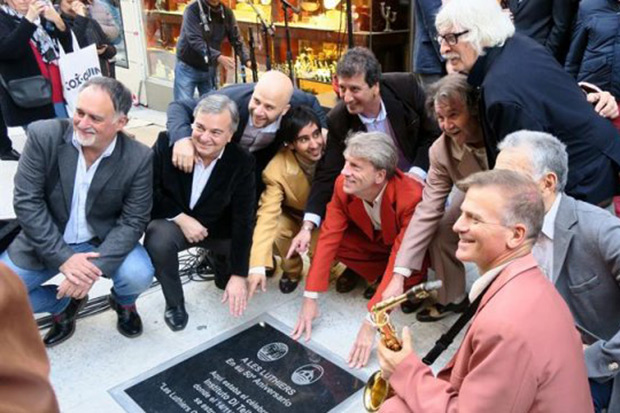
521,352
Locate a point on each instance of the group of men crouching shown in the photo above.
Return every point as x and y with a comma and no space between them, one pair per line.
393,181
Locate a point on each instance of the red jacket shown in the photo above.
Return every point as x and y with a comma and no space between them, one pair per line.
400,198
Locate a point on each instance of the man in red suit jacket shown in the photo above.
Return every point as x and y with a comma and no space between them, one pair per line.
365,222
521,352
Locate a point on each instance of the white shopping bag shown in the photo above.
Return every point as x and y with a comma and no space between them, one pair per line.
75,69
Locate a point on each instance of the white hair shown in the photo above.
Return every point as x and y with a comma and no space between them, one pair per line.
488,25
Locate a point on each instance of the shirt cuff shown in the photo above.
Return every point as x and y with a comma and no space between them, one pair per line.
405,272
257,270
314,218
419,172
173,218
311,294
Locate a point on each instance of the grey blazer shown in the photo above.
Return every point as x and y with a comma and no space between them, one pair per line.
118,204
586,264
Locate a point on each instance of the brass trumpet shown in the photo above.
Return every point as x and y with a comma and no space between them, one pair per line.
377,389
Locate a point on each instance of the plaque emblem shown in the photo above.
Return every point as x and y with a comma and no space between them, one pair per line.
307,374
272,352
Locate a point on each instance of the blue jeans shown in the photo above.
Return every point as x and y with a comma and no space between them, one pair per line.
601,394
187,79
132,278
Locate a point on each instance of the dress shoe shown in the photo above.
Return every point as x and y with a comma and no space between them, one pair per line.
10,155
347,281
63,324
288,285
438,311
176,317
409,307
370,291
129,323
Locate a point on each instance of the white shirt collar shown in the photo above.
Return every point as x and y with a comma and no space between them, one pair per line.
548,227
484,280
379,118
271,128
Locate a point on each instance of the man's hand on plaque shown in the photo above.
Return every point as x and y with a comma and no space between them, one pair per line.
184,155
388,359
309,311
360,353
254,280
236,294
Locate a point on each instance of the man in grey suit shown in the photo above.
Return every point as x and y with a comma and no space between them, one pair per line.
579,251
83,195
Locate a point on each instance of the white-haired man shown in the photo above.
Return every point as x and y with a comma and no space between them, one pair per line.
523,87
578,251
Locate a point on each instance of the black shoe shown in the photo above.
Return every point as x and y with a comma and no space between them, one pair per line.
176,317
10,155
63,324
438,311
409,307
129,323
287,285
347,281
370,291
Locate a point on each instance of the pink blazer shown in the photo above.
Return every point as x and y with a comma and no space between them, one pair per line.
520,354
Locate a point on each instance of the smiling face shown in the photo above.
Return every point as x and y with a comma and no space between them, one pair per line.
461,56
361,177
358,97
309,143
483,239
456,122
210,133
270,98
95,122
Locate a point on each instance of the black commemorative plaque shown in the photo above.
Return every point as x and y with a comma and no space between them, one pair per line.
257,370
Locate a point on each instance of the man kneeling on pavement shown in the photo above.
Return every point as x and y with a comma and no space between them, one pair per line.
366,219
83,194
213,207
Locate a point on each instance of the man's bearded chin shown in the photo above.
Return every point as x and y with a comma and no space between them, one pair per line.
88,140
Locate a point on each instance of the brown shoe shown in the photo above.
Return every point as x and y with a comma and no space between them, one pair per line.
437,311
347,281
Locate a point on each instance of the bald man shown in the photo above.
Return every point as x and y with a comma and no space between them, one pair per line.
261,106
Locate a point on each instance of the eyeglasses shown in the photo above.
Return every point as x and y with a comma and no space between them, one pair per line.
451,38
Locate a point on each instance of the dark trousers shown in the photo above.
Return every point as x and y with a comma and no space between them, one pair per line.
5,142
601,394
164,240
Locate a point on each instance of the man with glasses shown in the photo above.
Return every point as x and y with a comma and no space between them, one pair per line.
213,207
522,87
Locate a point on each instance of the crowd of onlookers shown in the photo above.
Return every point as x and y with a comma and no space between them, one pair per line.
492,153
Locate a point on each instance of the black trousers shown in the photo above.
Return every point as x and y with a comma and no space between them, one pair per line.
164,240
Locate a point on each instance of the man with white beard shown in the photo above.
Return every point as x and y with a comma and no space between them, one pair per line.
83,195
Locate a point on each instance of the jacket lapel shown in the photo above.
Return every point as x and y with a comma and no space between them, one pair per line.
220,170
67,166
513,270
468,164
107,167
388,213
358,214
299,187
563,235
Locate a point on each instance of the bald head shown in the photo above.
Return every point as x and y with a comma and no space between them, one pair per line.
270,99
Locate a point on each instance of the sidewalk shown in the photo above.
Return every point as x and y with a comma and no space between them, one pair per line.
98,358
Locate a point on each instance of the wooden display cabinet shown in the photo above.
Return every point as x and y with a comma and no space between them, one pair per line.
318,35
